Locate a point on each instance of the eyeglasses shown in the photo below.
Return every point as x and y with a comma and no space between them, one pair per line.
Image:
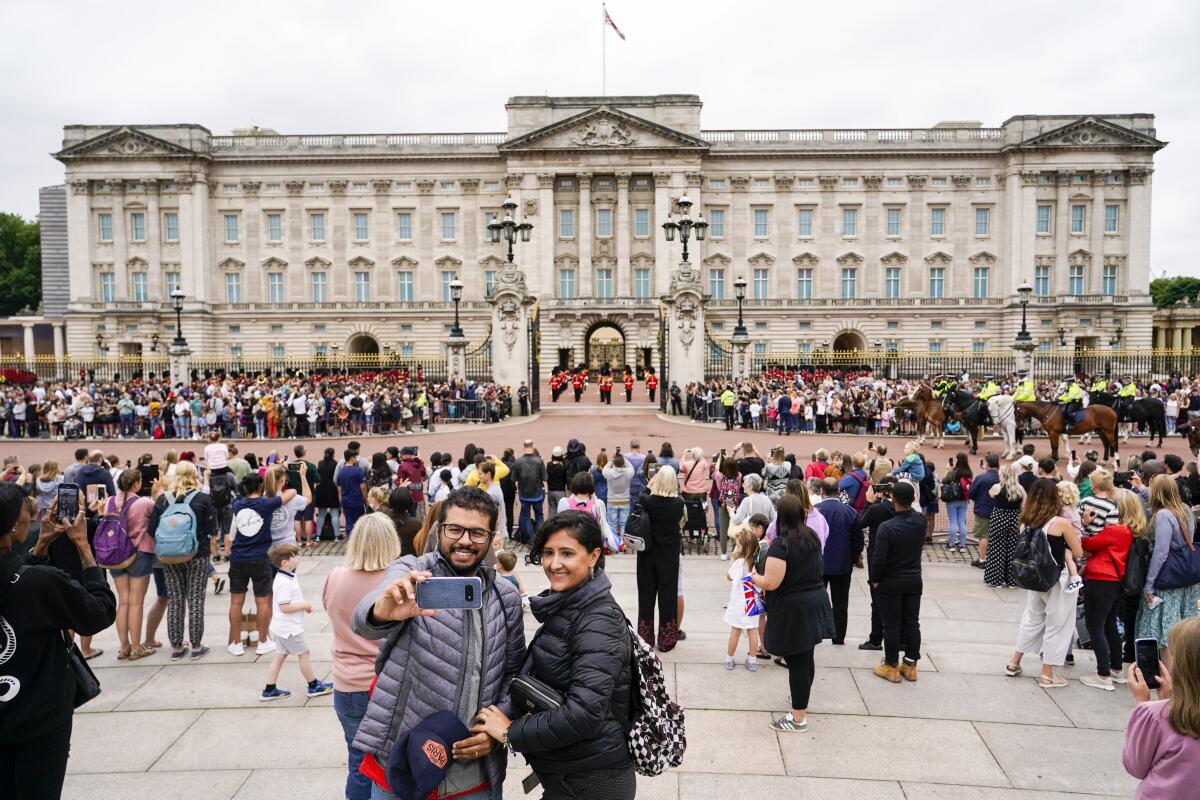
454,533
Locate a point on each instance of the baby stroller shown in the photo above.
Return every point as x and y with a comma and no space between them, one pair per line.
73,428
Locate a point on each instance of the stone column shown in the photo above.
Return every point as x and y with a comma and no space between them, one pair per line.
546,234
1176,337
784,239
583,227
180,364
81,229
662,254
154,244
1187,338
1095,281
623,279
685,325
427,231
511,306
27,329
120,243
1062,235
741,356
1138,226
193,221
456,355
59,346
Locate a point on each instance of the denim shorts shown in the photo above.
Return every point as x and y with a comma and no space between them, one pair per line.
142,564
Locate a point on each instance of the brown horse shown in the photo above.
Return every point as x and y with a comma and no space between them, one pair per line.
1098,419
1191,429
928,410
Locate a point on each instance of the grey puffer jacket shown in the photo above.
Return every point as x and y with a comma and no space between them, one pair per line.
424,670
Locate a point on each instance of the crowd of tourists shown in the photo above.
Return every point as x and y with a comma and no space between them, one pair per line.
275,406
1103,554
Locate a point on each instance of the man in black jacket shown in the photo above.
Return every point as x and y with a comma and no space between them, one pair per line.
529,471
878,512
895,574
843,548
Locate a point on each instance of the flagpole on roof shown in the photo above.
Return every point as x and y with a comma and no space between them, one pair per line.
603,50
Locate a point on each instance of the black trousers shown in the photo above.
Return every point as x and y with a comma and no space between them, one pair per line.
728,418
801,671
1101,606
876,636
676,406
594,784
1127,609
900,608
34,769
658,579
839,596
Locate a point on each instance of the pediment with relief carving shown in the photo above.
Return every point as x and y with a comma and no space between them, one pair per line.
125,143
605,128
1089,132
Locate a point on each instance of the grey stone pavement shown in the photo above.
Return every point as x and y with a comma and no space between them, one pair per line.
964,731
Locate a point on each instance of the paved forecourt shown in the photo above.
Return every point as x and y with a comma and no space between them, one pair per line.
964,730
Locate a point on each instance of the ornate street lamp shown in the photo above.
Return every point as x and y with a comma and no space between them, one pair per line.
1062,336
508,227
100,344
1024,291
456,287
739,291
154,342
177,302
1115,341
685,225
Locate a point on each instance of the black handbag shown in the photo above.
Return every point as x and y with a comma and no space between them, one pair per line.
531,695
87,685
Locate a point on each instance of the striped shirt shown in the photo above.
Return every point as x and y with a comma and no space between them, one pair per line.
1105,510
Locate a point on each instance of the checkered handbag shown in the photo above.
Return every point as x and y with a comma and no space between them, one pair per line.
656,738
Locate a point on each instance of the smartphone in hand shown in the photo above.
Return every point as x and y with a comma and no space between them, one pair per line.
1146,654
462,593
68,502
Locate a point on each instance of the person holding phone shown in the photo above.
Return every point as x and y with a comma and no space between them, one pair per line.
1162,737
38,603
1173,524
433,649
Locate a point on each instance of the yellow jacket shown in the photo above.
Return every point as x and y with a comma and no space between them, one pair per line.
1128,390
472,478
1025,392
1072,394
989,391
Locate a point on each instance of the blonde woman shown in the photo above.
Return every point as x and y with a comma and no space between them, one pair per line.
658,564
46,486
275,481
1161,607
167,468
1007,495
373,546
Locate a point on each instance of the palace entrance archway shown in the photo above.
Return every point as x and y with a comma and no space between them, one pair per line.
849,342
363,344
604,346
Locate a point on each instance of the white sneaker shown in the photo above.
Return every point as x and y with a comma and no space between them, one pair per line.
236,649
1073,585
1098,683
265,648
724,556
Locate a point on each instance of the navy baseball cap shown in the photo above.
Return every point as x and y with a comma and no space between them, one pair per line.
419,760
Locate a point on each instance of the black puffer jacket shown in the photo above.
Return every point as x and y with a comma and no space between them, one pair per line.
584,651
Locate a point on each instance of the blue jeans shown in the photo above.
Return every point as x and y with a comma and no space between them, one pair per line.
486,794
350,708
618,513
322,513
532,514
957,512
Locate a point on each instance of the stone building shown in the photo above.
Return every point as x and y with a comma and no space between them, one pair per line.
907,239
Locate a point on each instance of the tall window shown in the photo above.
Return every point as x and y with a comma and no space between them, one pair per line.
937,222
762,221
1110,278
278,350
172,283
891,282
804,222
316,225
566,223
641,222
231,228
1075,280
804,281
1112,218
893,222
1078,219
362,287
404,225
716,222
1041,281
849,221
141,288
404,286
716,284
362,226
274,227
233,288
171,227
983,221
447,226
235,351
275,287
447,278
137,224
320,286
566,284
488,218
641,283
762,283
604,222
849,283
108,287
1043,219
105,222
604,283
937,282
489,281
981,282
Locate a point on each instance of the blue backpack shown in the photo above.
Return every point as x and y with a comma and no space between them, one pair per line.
175,540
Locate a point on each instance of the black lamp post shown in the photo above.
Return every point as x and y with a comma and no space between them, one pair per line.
1115,342
739,291
1062,336
177,302
685,225
99,344
1024,291
509,228
456,287
154,342
337,362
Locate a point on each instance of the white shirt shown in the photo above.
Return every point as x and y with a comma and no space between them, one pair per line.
284,591
216,455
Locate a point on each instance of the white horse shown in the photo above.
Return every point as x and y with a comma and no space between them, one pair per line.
1001,408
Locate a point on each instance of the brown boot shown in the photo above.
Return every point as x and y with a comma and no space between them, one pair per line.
908,670
887,672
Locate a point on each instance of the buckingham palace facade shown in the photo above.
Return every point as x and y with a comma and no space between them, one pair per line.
848,239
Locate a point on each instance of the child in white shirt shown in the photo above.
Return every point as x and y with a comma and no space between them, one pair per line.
288,608
741,565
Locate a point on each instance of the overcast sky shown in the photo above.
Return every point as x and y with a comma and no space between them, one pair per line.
359,66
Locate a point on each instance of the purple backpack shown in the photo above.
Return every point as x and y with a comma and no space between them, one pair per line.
114,549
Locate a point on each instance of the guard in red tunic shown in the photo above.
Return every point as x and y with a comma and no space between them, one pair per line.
606,388
628,387
652,385
577,384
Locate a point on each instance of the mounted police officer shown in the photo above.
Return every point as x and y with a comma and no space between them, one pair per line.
1070,396
1025,391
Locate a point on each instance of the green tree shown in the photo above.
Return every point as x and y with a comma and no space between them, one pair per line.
1169,291
20,264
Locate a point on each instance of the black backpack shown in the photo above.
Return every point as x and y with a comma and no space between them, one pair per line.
1033,566
952,491
221,490
1136,564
